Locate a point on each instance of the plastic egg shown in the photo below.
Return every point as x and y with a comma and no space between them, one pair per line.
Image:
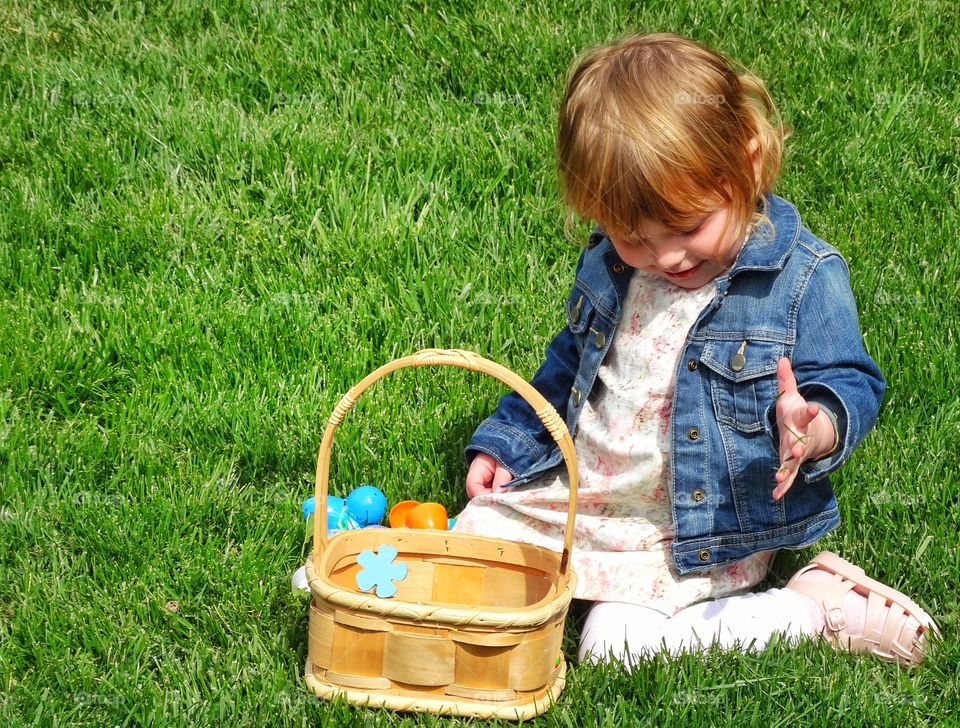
346,522
308,506
335,508
367,505
427,515
398,514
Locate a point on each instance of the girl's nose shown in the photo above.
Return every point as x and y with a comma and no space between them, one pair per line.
670,258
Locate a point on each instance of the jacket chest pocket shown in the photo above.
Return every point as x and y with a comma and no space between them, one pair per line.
743,380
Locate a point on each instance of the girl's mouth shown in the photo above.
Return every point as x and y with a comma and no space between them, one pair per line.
685,273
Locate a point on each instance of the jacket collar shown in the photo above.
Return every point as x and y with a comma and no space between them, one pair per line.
768,247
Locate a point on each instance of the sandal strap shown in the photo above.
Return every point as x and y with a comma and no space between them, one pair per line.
828,595
892,632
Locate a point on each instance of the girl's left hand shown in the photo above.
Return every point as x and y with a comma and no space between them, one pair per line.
806,433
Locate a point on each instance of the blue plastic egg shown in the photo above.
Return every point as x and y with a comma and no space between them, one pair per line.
367,505
308,506
335,506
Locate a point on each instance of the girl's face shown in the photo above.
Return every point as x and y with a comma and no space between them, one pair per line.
688,258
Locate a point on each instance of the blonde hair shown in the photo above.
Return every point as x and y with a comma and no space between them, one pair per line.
657,126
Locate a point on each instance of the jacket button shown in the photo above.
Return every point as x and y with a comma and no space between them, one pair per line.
691,364
619,267
739,361
575,313
703,555
693,433
698,495
576,395
600,339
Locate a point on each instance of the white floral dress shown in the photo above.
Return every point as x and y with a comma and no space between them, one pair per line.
624,529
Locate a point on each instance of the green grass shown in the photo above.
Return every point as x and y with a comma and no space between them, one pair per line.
217,217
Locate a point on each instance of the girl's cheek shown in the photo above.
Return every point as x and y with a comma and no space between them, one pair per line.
632,256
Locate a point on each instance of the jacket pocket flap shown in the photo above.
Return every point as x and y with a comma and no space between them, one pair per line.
742,360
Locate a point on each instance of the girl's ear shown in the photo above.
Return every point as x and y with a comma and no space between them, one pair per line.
753,148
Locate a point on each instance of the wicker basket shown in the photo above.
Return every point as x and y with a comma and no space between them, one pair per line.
475,629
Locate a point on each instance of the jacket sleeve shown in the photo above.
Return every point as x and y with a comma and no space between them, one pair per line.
513,434
831,365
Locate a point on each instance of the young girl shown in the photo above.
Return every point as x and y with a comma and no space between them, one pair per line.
712,373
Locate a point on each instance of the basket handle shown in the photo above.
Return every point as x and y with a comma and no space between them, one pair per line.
465,360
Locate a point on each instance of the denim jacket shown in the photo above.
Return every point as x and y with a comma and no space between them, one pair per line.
787,294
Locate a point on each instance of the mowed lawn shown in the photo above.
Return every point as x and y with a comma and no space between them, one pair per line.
216,217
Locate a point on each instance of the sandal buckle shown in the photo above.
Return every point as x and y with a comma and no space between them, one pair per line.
835,619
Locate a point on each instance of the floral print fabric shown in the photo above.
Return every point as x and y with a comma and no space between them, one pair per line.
624,531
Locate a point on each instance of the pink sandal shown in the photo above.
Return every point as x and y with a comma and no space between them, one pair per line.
895,628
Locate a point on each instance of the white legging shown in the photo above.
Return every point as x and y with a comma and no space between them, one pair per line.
628,632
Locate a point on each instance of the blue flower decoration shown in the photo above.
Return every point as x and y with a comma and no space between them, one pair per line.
379,571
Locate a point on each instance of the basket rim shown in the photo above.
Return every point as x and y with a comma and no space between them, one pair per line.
533,615
363,534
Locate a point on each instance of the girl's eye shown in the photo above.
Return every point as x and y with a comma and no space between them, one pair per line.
692,230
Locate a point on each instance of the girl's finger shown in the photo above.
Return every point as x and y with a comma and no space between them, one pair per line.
783,478
781,489
799,450
501,477
805,415
475,489
785,378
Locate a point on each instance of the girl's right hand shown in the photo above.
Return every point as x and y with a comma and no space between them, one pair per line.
486,475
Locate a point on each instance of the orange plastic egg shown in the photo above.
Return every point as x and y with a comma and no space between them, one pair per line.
427,515
398,514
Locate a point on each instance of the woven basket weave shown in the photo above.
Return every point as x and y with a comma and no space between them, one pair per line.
475,628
